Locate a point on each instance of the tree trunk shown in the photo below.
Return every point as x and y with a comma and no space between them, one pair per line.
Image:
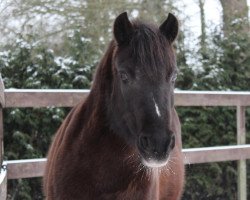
203,28
233,11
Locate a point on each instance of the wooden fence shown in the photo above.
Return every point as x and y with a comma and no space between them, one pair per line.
16,169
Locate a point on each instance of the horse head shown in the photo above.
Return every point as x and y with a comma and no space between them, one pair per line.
144,73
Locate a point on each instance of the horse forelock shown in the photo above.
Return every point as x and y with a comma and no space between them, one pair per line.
150,50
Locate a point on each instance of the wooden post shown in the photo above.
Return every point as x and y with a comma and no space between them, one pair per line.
2,104
3,172
3,184
241,139
1,137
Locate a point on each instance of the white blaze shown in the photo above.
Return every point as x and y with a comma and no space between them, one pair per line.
156,108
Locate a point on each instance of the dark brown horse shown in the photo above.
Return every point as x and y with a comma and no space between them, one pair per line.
123,142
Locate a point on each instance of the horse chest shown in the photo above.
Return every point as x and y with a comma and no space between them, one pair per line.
137,190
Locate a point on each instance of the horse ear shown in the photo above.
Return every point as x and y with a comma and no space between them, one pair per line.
122,29
170,27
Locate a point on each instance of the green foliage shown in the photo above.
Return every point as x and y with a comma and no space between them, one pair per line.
28,131
186,74
203,127
225,66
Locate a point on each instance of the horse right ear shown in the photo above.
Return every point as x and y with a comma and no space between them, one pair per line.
122,29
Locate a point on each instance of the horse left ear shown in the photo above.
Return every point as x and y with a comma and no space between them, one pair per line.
170,27
122,29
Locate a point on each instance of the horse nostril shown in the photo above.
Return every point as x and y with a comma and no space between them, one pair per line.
144,141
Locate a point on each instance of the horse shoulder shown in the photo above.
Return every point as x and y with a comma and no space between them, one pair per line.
57,149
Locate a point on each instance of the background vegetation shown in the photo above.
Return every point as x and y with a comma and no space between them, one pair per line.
58,45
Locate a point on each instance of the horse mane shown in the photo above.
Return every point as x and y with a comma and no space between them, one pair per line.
101,87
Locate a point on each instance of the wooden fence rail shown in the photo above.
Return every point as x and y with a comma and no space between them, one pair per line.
13,98
69,98
30,168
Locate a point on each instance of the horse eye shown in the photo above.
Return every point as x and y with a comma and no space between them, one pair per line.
174,77
124,76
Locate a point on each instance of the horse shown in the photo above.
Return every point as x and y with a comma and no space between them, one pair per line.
123,142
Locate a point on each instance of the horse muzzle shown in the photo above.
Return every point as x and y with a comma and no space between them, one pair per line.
155,150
